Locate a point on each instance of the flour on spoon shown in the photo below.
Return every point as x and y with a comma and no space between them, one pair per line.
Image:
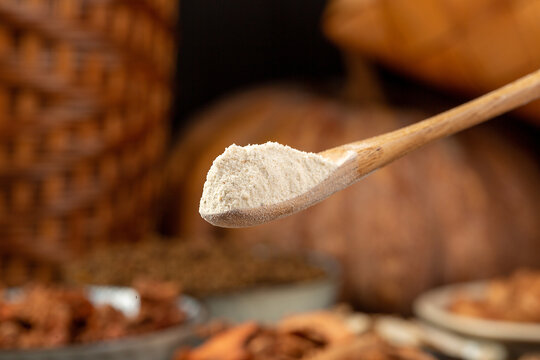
245,177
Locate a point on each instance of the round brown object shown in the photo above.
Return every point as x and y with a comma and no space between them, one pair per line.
469,47
84,103
461,208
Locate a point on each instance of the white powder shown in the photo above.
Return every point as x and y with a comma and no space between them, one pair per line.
255,175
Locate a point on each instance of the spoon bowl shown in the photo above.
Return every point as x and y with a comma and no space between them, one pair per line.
339,179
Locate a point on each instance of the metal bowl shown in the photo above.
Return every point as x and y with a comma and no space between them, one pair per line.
268,304
158,345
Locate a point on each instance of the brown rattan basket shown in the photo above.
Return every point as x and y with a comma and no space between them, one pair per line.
84,104
468,46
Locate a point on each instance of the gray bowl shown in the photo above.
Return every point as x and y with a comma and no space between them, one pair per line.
158,345
268,304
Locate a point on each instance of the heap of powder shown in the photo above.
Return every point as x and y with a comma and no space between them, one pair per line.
250,176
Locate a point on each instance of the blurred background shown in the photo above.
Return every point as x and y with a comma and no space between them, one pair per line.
112,111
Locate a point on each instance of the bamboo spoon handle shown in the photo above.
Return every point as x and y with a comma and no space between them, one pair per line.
378,151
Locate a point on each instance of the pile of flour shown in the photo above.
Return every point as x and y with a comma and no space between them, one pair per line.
250,176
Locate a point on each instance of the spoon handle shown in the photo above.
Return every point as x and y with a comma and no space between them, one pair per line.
385,148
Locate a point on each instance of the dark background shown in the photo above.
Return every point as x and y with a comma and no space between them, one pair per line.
228,45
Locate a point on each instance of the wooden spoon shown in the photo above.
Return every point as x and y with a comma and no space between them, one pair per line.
360,158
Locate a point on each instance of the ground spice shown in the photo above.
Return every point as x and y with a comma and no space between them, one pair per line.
201,267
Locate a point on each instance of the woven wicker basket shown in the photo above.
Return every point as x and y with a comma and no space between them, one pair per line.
466,46
84,102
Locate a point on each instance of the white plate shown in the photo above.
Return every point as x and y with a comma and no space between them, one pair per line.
433,305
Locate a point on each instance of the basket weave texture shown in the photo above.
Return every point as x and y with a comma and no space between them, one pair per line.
461,45
84,104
